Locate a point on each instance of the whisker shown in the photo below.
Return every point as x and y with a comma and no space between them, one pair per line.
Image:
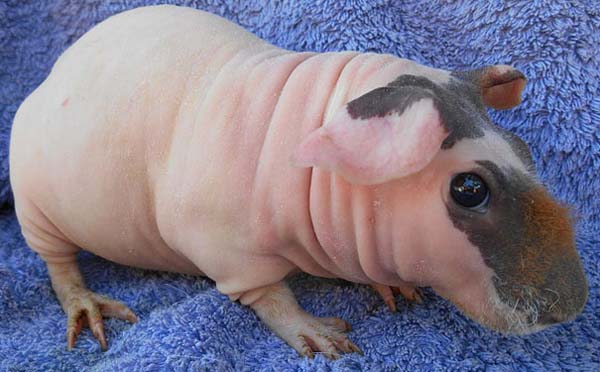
555,301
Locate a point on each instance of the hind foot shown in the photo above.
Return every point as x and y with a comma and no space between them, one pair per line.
82,306
86,308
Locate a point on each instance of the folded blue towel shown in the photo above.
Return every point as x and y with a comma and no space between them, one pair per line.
187,325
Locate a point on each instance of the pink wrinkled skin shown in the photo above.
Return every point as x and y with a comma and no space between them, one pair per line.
178,157
183,154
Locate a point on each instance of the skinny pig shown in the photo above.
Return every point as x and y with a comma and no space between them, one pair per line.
167,138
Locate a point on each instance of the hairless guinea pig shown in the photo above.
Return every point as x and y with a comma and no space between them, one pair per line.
168,138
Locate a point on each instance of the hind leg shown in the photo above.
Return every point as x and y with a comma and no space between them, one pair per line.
82,306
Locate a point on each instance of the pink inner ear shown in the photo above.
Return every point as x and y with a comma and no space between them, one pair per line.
378,149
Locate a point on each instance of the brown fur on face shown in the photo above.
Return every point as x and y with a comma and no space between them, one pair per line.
548,237
548,282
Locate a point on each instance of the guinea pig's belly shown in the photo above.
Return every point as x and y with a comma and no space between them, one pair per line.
103,203
126,246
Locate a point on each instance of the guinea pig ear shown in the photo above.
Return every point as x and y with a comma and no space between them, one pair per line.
388,133
500,85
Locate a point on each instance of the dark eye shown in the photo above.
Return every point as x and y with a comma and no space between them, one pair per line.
469,190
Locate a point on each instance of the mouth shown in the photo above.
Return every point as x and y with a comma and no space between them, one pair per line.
520,309
521,315
527,313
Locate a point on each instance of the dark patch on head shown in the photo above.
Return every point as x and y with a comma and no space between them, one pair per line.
459,102
387,100
460,108
527,239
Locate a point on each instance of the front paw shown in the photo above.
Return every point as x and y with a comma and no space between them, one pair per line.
309,335
410,292
276,306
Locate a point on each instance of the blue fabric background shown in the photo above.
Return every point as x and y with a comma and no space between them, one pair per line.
187,325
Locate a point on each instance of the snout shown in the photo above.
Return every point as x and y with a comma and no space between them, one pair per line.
536,278
547,284
560,297
516,305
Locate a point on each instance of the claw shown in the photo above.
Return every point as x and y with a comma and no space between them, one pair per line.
408,291
347,346
388,296
418,296
130,317
71,336
391,304
305,349
332,355
98,332
355,348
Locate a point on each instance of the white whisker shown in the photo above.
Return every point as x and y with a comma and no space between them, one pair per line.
555,301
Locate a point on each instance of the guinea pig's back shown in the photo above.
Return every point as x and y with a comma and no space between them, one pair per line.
88,143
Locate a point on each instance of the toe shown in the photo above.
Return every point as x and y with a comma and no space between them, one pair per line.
418,296
391,304
98,332
344,345
115,309
94,317
302,347
323,344
71,337
388,296
74,325
409,292
338,324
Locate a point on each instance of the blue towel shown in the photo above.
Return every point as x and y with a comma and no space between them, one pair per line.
187,325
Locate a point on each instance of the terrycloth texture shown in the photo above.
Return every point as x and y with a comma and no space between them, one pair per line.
187,325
